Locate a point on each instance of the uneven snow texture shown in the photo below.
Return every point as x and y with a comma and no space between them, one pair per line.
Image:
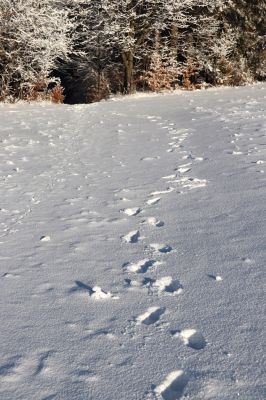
133,248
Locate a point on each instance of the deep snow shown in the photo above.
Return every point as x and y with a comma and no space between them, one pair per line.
133,248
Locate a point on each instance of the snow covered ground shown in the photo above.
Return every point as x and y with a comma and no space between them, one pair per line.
133,248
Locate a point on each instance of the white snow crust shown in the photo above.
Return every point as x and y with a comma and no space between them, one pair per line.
132,248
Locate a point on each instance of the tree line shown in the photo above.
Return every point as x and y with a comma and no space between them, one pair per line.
85,50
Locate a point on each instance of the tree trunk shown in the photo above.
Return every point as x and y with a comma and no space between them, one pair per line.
173,42
128,53
128,60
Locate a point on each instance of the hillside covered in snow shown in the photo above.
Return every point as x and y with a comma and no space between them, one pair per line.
132,248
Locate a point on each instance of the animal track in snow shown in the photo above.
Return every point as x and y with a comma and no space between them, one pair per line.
173,386
141,266
152,315
154,222
191,338
132,211
151,202
161,248
131,237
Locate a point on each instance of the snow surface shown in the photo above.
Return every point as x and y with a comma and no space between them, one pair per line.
133,248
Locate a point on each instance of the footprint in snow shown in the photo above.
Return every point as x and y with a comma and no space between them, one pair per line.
259,162
10,275
141,266
161,248
86,375
191,338
95,292
150,158
132,211
247,260
131,237
182,169
173,176
166,285
157,192
151,316
173,386
234,152
217,278
192,183
99,294
154,222
45,238
151,202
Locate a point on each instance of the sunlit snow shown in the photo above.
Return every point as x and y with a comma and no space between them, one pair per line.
133,248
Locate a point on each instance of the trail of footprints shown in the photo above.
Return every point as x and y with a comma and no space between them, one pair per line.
174,384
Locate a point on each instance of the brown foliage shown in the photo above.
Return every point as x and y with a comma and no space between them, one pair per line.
56,94
160,76
189,73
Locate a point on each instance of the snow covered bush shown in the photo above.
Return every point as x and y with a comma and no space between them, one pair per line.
33,36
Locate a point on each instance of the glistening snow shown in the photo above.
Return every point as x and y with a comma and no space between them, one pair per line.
133,248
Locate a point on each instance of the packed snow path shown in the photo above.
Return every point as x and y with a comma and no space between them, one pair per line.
133,248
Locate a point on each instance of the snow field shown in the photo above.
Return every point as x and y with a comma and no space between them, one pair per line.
132,248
